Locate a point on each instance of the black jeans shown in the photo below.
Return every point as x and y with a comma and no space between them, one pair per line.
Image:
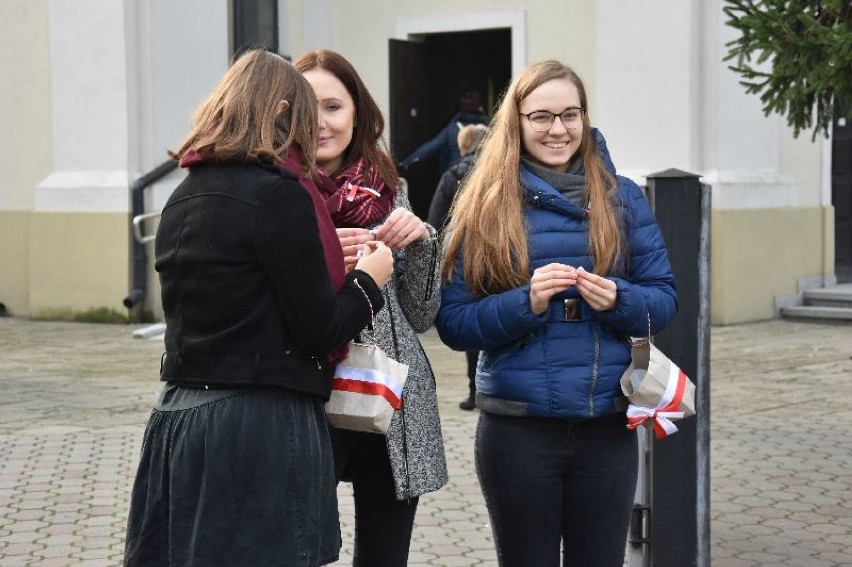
383,524
550,481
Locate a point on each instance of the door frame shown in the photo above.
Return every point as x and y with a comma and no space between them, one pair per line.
410,27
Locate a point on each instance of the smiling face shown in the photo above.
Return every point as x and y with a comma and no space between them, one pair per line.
336,118
554,147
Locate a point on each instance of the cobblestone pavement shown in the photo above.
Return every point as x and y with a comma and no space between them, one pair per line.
74,399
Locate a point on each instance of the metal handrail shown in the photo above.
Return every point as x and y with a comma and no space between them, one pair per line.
138,235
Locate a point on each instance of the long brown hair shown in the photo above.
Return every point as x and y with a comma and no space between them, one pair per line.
488,213
239,122
367,140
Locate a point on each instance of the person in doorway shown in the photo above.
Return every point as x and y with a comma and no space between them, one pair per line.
360,186
445,141
236,466
551,262
468,139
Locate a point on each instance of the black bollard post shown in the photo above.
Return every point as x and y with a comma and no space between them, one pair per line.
680,464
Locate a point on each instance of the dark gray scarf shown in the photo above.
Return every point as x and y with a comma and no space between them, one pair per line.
572,184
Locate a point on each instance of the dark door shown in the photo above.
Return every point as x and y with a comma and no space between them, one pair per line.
841,193
427,79
409,115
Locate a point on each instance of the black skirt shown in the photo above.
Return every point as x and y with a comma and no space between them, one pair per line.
236,477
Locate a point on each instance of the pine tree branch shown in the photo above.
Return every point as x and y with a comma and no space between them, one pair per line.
806,45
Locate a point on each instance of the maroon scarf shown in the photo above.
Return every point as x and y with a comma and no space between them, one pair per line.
357,196
294,163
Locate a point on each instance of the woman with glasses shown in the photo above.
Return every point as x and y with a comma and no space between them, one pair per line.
552,261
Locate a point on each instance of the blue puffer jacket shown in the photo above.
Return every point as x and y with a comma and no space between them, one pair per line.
544,365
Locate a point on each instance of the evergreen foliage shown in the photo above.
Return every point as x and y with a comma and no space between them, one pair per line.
808,44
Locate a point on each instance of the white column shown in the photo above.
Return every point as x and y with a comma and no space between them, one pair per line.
89,104
646,85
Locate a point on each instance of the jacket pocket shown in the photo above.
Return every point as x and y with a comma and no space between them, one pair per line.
492,358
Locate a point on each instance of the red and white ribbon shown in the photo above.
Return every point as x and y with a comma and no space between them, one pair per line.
352,189
664,411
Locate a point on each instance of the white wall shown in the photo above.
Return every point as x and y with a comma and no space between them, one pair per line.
89,108
89,84
25,107
175,63
666,99
647,85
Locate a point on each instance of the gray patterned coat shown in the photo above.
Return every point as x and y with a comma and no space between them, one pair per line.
412,299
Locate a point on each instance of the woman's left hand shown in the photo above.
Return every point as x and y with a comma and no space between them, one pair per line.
401,228
600,293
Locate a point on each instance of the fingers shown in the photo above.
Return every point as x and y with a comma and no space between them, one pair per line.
401,228
353,236
351,240
547,281
600,293
377,260
554,276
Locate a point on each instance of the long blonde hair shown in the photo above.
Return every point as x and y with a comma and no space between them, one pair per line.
239,122
488,213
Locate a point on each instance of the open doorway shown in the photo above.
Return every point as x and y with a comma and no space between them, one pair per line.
841,193
427,77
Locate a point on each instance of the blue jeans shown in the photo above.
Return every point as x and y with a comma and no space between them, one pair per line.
549,482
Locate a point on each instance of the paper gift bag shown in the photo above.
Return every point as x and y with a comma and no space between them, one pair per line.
657,389
366,390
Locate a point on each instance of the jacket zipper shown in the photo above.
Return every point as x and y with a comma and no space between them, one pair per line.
430,284
595,364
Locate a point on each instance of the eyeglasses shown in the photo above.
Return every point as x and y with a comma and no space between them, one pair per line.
542,120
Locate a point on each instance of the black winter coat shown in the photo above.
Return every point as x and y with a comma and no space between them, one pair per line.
446,191
246,292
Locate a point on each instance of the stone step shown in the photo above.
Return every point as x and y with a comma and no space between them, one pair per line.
819,313
835,296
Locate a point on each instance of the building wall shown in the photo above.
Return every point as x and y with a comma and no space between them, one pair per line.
562,31
97,91
71,266
78,261
25,115
14,250
666,99
756,254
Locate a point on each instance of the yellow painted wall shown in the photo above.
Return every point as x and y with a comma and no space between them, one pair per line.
760,254
78,261
14,269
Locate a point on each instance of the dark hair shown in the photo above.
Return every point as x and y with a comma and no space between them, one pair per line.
470,102
367,138
239,121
